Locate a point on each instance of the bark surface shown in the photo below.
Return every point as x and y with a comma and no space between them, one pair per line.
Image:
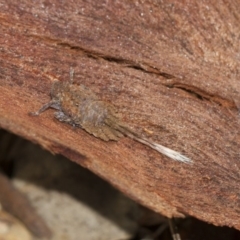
170,68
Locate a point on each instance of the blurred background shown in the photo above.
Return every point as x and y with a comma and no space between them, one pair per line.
43,196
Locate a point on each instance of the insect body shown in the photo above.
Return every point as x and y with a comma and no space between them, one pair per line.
80,107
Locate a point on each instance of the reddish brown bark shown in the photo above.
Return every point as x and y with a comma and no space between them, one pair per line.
170,68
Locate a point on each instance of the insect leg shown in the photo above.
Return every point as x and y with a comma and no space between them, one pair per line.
51,104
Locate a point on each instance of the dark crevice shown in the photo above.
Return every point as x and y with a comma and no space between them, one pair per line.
148,69
95,55
204,96
126,63
197,93
191,91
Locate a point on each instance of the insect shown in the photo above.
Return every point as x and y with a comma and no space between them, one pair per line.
80,107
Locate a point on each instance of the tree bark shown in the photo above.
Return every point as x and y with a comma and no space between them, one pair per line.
170,68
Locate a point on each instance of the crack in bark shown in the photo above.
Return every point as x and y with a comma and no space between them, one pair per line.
95,55
204,96
195,92
126,63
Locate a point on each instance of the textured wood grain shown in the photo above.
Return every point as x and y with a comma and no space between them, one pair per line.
170,68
